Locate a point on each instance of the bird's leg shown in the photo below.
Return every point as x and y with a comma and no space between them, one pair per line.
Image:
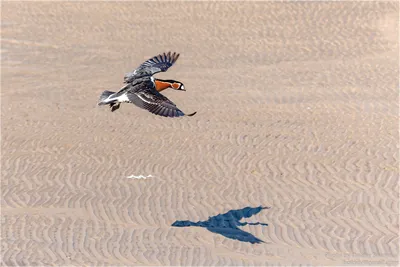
114,106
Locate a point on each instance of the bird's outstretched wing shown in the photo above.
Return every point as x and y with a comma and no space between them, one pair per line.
152,66
156,103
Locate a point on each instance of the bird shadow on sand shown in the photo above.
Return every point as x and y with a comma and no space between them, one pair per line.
227,224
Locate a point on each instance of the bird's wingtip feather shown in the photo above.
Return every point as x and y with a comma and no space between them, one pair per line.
191,114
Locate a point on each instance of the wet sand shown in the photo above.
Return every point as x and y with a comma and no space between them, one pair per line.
297,111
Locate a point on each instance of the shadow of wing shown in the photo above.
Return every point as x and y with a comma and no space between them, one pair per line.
235,233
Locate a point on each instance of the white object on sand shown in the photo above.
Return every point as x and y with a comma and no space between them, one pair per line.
139,177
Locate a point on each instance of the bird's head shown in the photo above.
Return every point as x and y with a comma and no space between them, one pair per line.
178,86
164,84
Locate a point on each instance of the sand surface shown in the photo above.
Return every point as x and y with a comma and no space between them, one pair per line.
297,111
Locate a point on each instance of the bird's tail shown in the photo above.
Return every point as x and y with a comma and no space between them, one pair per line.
103,98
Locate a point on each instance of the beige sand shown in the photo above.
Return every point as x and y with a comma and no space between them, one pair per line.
297,110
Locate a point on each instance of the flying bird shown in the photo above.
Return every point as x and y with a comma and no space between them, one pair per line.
143,90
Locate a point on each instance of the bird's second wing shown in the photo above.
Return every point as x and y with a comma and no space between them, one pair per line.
156,103
153,65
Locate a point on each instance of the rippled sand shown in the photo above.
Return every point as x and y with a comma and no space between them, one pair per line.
297,111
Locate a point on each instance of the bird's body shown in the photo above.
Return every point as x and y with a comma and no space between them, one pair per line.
142,89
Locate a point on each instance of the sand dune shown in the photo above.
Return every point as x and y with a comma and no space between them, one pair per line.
297,110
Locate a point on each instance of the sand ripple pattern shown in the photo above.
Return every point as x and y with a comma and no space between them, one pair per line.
297,110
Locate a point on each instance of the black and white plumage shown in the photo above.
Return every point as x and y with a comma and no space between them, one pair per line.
140,89
160,63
